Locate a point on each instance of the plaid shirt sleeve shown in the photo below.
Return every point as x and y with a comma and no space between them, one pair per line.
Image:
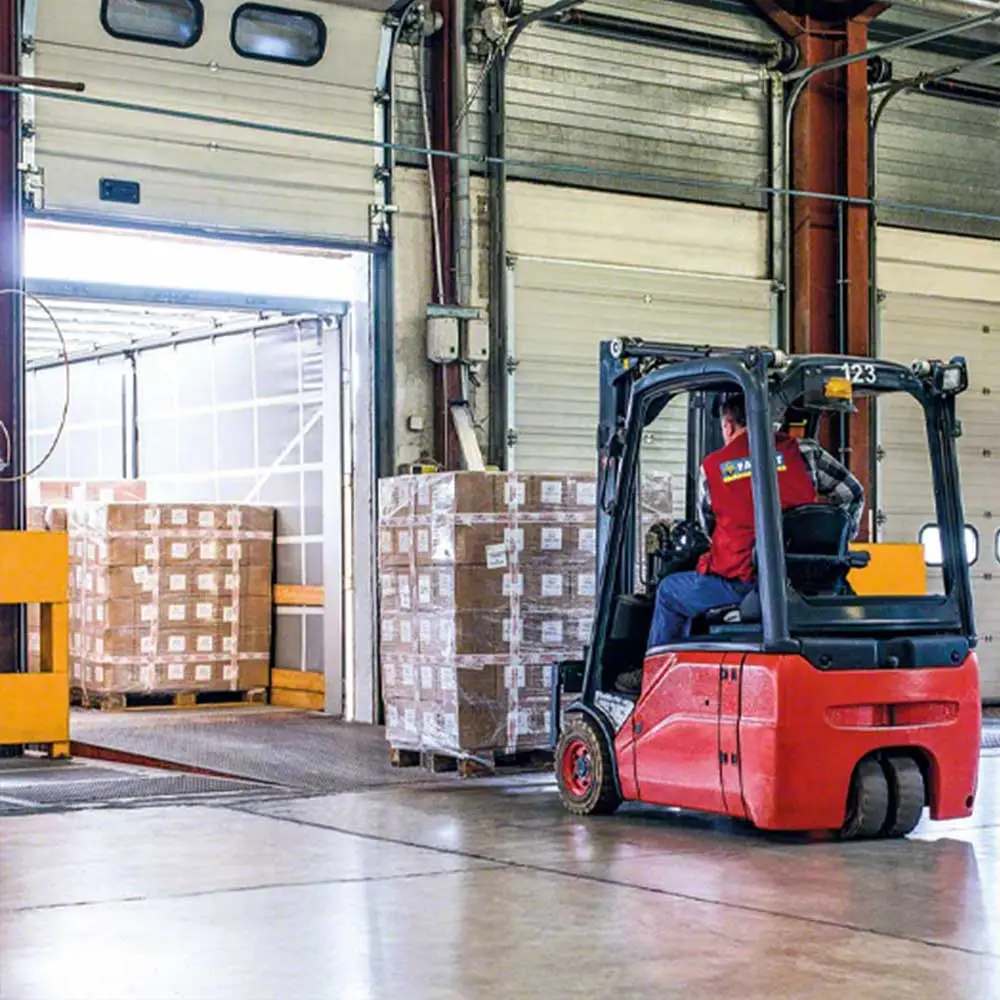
834,482
705,515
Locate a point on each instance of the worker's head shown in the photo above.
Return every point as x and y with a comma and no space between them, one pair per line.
733,415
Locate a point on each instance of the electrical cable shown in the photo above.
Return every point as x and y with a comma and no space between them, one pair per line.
418,57
8,459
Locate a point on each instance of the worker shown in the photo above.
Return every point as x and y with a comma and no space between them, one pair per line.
725,574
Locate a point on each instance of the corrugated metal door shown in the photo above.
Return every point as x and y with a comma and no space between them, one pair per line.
204,174
929,311
705,287
611,114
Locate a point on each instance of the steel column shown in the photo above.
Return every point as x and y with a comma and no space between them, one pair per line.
11,337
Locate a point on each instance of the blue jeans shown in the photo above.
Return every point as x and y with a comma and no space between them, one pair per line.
683,596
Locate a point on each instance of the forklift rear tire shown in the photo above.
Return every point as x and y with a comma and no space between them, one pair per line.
907,796
867,802
585,770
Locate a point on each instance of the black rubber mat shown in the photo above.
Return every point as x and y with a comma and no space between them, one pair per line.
30,785
293,750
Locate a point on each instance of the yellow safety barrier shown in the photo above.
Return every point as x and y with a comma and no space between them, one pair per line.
34,707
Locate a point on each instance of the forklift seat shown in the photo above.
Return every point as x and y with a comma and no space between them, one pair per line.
817,558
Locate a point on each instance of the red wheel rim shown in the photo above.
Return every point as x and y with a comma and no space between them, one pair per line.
577,768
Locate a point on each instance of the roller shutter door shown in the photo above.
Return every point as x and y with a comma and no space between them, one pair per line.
631,267
193,173
937,303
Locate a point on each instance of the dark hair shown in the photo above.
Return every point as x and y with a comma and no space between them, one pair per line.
735,407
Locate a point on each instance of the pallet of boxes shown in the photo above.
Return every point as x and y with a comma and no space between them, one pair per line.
170,604
486,580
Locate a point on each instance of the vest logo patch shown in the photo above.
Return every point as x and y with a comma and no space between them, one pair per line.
741,468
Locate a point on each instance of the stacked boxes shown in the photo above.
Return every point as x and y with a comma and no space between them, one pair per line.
170,597
486,580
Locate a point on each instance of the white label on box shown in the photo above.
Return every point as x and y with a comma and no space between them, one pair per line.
450,721
389,672
146,645
234,551
446,583
405,541
449,680
406,631
586,494
178,550
208,583
152,515
177,582
229,644
408,676
230,672
513,583
229,615
425,591
149,552
176,644
410,720
445,632
425,630
139,574
423,541
513,539
388,630
207,551
430,723
424,494
392,717
178,517
175,671
552,585
552,631
230,582
388,585
552,539
426,678
176,613
496,556
203,672
203,611
98,675
588,540
404,594
234,518
583,628
552,491
206,643
100,612
514,492
512,632
206,519
385,541
513,676
585,584
547,676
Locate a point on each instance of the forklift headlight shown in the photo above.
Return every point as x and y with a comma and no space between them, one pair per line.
953,378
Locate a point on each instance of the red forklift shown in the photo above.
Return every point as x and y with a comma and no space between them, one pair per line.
807,707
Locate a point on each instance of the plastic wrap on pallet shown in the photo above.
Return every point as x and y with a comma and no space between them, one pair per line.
485,581
169,598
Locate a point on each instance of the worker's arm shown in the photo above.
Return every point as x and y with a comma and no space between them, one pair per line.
705,515
834,482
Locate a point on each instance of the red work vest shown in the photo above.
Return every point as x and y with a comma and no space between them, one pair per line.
729,488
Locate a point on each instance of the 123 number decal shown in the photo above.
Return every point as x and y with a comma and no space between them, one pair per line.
860,374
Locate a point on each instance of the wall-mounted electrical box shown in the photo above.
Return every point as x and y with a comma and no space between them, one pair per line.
442,339
476,341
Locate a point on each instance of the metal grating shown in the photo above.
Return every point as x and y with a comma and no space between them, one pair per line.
991,734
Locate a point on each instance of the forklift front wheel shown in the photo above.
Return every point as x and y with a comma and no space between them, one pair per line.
868,802
584,769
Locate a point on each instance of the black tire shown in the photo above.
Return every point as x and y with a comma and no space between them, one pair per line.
585,769
867,802
907,795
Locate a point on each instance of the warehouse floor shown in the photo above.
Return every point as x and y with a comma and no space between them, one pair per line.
464,889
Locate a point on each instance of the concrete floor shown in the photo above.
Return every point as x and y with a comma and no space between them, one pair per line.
463,890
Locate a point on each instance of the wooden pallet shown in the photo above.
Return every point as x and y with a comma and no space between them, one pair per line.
481,763
137,701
